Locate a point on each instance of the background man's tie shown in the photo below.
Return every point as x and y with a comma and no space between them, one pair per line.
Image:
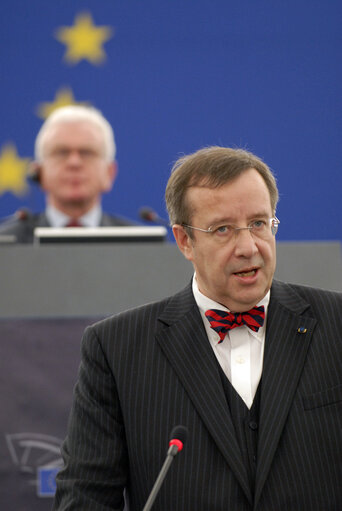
73,222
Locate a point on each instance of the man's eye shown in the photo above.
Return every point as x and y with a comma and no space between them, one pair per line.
258,224
223,229
60,153
87,153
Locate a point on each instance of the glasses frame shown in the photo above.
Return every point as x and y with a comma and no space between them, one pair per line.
274,222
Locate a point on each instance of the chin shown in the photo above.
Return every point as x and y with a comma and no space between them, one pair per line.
76,200
250,299
76,194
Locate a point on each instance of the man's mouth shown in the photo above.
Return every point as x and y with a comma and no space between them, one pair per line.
246,273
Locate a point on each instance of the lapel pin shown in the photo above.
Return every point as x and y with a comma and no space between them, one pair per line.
302,330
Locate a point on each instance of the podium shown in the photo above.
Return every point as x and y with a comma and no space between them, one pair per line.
49,294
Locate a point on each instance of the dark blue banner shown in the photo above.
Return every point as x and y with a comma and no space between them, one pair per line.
38,369
175,76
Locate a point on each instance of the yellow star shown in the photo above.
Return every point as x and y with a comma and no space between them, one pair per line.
84,40
63,97
13,171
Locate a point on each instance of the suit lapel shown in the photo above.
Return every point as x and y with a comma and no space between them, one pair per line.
42,221
288,336
106,221
187,348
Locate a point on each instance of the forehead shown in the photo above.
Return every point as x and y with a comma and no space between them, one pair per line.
73,133
245,195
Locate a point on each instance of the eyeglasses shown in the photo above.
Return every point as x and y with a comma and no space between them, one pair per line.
261,228
63,153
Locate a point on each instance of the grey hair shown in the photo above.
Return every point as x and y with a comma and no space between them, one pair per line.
76,113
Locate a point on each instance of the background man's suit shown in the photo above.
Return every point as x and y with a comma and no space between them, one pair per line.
22,228
149,369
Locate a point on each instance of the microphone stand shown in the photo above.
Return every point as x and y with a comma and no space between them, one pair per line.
171,453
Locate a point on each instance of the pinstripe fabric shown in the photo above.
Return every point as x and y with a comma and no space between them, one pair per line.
149,369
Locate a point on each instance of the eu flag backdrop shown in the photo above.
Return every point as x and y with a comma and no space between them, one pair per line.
173,76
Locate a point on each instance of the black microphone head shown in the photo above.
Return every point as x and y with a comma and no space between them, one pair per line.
148,214
22,214
179,433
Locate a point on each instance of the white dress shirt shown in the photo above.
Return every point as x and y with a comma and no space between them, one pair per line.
58,219
241,352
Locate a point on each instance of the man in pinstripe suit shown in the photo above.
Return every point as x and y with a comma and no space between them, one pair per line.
261,399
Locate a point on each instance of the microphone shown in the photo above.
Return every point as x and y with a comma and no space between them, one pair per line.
21,214
178,437
148,214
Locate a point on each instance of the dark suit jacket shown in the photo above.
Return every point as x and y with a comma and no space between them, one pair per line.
22,228
146,370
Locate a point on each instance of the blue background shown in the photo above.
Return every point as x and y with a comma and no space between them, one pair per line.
179,75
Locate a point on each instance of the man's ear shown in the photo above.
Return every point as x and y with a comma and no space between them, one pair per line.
34,171
110,176
183,240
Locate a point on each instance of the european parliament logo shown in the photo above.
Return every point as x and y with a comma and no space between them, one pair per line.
38,457
46,481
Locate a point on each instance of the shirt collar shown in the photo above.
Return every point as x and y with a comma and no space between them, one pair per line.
204,303
58,219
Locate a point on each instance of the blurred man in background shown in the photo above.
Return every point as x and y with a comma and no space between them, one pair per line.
74,164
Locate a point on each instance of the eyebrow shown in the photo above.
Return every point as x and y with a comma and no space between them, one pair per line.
230,221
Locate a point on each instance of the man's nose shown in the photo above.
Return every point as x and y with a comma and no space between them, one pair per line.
245,243
74,157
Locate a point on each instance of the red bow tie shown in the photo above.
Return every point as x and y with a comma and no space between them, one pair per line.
222,321
73,222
